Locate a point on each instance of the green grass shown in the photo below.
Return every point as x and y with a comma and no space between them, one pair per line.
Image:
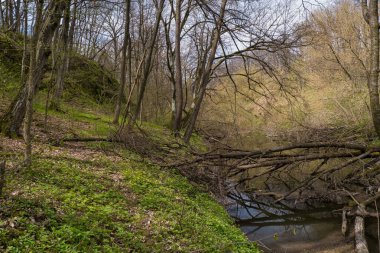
10,68
72,200
94,125
68,205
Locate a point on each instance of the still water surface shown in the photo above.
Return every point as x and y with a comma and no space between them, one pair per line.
290,228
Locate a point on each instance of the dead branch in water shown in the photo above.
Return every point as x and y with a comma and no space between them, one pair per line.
336,166
261,163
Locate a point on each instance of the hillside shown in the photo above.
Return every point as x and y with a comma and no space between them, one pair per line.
99,196
189,126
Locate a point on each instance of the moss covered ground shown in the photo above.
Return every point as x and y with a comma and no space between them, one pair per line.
100,196
79,199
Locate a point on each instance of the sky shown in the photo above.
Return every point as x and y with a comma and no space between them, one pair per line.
314,3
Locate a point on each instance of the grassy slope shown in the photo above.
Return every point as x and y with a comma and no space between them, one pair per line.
81,200
100,197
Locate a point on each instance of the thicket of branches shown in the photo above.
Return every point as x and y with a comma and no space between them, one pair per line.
169,54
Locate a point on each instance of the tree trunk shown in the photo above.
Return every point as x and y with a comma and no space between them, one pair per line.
124,60
17,16
43,34
148,63
371,15
71,31
62,54
206,74
10,14
6,14
178,72
2,16
360,241
170,66
11,121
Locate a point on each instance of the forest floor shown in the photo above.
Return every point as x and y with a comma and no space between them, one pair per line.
103,197
99,196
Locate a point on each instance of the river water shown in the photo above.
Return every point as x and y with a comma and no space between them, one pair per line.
292,228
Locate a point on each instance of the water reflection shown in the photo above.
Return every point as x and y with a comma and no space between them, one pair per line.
287,227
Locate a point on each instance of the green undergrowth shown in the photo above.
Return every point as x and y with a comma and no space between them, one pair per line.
10,66
100,197
97,120
64,204
85,77
90,120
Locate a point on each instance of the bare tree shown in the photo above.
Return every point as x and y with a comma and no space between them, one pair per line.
371,16
43,32
124,63
148,61
206,72
178,70
62,61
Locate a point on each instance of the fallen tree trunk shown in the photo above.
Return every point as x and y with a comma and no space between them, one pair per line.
90,139
85,139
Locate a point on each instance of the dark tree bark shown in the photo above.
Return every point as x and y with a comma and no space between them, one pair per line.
17,16
6,12
6,22
124,63
2,16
